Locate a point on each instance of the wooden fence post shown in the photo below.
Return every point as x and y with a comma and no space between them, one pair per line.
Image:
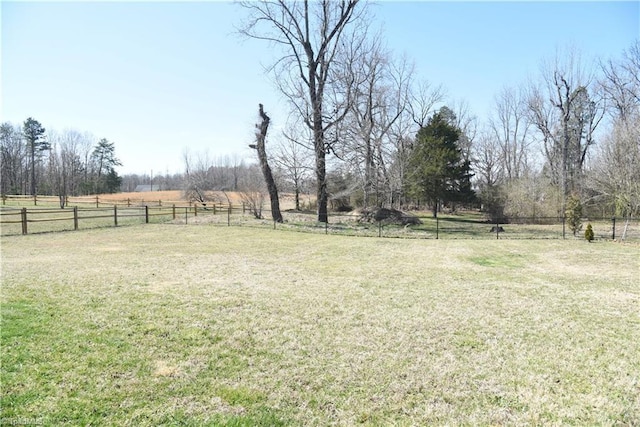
115,215
174,211
97,202
146,214
75,217
23,215
35,201
4,199
195,209
128,202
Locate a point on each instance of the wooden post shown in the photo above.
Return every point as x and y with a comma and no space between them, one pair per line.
613,220
23,216
186,215
195,209
115,215
75,217
4,199
128,202
146,214
229,216
174,211
497,229
97,202
35,200
214,208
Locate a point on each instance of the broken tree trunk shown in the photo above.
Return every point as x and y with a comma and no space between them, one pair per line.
261,136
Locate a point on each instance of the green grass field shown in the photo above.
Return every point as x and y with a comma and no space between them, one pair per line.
167,324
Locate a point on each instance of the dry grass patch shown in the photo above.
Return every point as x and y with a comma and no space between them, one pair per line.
170,324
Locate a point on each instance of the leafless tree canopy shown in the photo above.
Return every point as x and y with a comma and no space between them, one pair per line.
310,35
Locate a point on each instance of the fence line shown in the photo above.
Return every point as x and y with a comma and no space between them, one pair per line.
76,215
96,201
28,220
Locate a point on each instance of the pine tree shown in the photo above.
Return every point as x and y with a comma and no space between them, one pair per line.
437,172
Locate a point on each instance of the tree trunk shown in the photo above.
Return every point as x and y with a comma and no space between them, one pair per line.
266,170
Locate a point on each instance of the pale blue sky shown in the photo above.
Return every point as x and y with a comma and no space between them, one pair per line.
156,77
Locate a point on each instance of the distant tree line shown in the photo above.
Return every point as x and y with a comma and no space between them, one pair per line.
67,163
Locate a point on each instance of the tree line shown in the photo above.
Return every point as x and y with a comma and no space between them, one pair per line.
357,110
364,131
69,163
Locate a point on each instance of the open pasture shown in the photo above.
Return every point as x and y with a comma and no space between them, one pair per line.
169,324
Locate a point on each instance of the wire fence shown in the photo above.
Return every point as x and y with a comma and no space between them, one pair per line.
39,219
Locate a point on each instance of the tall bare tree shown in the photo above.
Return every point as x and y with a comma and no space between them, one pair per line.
260,147
380,97
310,34
510,128
621,83
565,112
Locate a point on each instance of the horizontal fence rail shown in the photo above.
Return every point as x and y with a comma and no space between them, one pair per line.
31,220
39,219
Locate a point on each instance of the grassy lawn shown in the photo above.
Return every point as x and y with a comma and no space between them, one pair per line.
168,324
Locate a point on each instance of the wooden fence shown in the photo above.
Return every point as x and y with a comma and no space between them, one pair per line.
96,201
75,217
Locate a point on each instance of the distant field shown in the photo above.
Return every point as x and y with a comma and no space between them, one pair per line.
167,324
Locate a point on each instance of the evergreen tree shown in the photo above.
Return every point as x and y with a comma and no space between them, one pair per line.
36,143
437,172
104,160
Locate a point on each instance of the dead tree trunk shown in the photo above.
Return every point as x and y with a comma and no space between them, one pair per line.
261,135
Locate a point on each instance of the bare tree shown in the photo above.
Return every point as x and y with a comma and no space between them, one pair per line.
199,181
424,98
621,83
615,176
291,160
253,191
510,129
380,96
261,136
467,122
565,113
310,33
13,157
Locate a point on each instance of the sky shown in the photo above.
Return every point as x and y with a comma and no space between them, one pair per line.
159,78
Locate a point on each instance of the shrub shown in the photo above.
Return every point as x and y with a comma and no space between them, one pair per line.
588,233
573,214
